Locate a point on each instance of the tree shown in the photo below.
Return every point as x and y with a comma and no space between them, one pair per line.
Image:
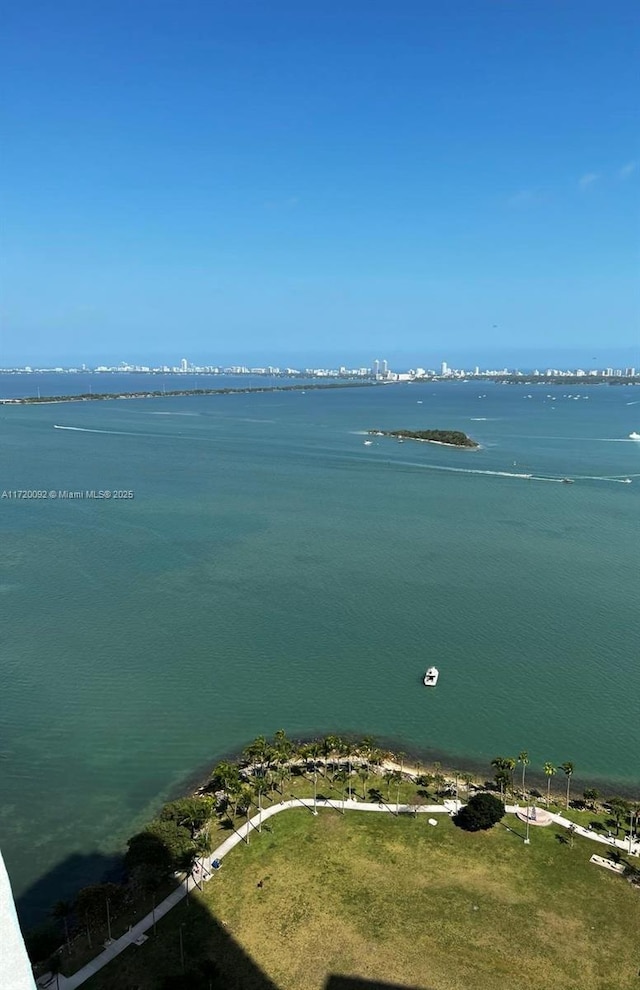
62,911
224,777
590,795
523,758
363,774
549,770
480,813
567,769
619,809
389,776
349,750
511,765
92,904
245,800
282,746
191,812
158,848
501,776
468,780
188,863
203,844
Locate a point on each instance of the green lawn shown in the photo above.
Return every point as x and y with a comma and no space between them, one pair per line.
394,899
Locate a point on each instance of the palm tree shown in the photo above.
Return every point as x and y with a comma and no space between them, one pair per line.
549,770
341,777
328,746
363,774
188,863
523,758
468,780
510,766
243,805
282,746
348,750
260,787
398,778
61,911
620,809
567,768
389,776
501,765
203,844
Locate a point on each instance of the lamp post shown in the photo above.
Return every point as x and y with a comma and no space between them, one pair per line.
527,840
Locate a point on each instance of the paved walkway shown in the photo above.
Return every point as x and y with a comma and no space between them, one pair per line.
204,871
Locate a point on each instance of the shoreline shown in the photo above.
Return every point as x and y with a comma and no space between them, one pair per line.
434,761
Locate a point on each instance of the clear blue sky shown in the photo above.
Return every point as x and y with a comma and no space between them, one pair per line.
297,180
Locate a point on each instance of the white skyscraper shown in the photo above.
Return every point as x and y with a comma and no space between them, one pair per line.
184,364
444,368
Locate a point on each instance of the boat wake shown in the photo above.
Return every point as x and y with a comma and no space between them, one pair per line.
117,433
614,479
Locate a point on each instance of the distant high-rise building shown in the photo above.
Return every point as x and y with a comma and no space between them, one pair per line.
184,364
376,367
444,368
385,368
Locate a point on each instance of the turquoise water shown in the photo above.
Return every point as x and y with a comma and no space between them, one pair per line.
272,571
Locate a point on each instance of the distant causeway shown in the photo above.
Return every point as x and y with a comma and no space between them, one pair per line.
161,394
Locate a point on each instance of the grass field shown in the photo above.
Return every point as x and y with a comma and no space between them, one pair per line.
394,899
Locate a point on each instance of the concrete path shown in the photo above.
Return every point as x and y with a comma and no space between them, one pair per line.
204,871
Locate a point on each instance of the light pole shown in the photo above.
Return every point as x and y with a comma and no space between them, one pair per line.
527,840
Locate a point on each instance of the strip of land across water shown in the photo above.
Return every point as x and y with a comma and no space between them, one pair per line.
162,394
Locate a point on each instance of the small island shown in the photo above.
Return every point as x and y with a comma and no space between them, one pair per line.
449,438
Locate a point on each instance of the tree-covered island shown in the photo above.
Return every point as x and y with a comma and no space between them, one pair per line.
452,438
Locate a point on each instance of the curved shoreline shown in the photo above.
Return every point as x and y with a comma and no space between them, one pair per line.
422,761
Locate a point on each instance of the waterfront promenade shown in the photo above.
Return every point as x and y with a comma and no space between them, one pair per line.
205,872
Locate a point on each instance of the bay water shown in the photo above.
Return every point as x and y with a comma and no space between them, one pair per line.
273,570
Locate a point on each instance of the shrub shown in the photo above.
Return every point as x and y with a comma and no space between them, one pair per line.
481,813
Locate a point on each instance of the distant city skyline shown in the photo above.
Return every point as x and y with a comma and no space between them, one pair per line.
287,182
378,368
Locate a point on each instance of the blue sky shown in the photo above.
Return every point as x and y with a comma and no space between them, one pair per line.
336,181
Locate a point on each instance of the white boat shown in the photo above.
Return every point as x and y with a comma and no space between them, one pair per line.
368,443
634,436
430,679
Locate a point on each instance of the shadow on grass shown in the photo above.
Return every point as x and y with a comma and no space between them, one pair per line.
354,983
190,948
